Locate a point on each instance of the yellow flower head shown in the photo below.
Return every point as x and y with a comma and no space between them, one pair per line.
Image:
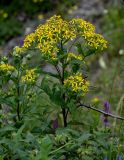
72,56
29,40
3,14
77,83
48,37
95,100
81,26
18,49
51,33
30,76
6,67
87,31
96,41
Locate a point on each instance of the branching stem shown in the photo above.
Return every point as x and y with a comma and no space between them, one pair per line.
100,111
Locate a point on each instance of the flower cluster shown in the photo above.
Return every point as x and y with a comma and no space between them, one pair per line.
72,56
18,50
77,83
29,40
30,76
81,26
87,31
96,41
48,37
51,34
6,67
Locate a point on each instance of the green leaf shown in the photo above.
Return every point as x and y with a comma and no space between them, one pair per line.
90,52
84,138
45,85
6,129
5,101
46,146
56,96
79,49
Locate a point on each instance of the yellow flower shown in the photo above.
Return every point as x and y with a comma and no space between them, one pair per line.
87,31
5,15
19,50
96,41
30,76
40,16
81,26
6,67
74,56
77,83
29,40
48,37
95,100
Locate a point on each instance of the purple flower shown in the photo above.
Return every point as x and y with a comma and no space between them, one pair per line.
55,124
105,120
107,107
107,110
119,157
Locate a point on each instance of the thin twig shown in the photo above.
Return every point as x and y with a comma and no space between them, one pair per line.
73,44
100,111
58,70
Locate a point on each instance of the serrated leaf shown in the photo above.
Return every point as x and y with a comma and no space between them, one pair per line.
84,138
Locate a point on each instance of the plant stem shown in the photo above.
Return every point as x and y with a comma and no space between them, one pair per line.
63,97
18,95
18,104
59,72
64,117
64,114
61,76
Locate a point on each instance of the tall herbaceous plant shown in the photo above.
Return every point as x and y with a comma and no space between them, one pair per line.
65,45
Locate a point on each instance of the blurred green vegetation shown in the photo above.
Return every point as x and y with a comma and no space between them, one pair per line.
110,81
14,14
113,27
108,67
9,29
32,7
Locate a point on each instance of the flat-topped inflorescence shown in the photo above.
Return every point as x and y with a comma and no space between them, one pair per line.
48,37
77,83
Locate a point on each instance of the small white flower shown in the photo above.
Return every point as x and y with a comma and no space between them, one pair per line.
121,51
105,11
102,63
